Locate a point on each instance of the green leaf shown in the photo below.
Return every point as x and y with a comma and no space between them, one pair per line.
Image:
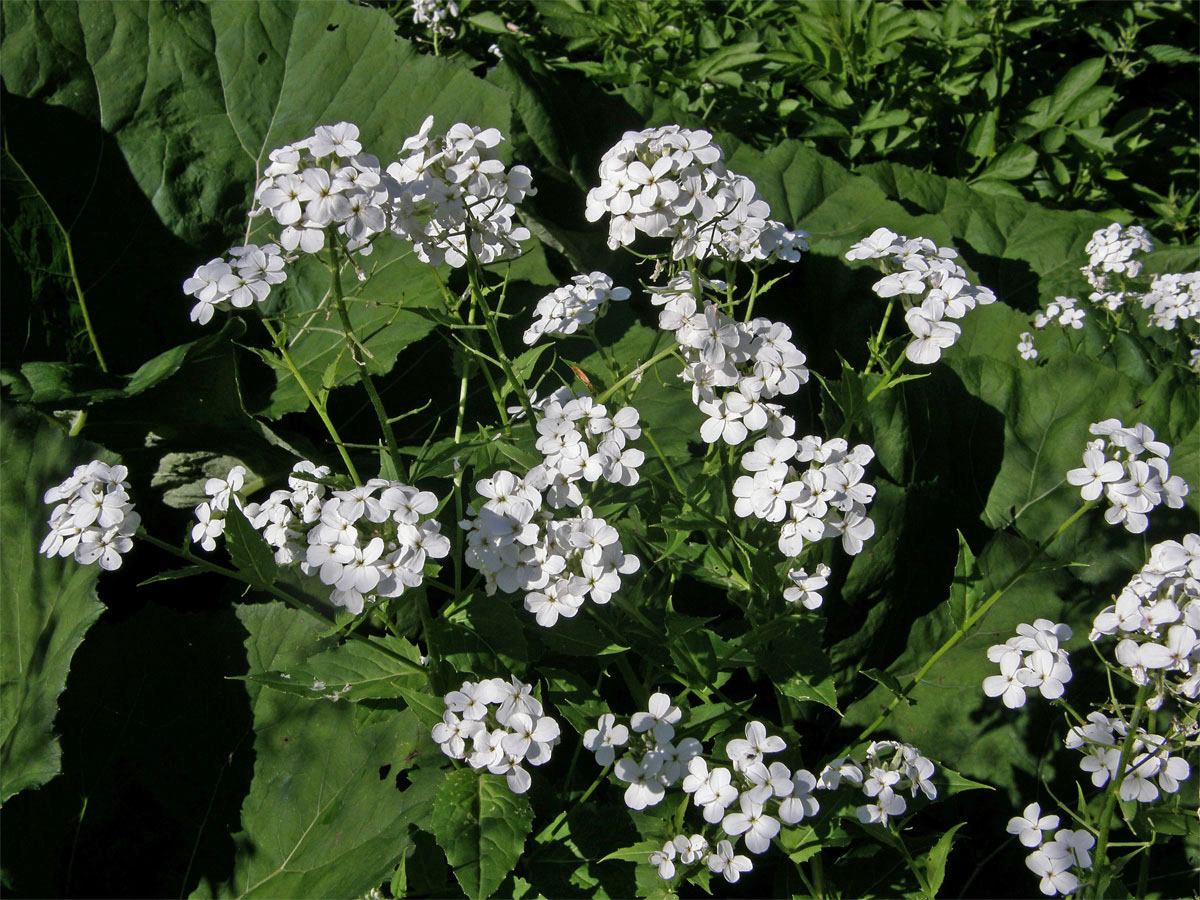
197,96
48,606
1015,163
249,550
356,670
319,820
482,826
889,681
1072,85
962,597
935,866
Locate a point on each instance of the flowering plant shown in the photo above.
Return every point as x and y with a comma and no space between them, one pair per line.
676,484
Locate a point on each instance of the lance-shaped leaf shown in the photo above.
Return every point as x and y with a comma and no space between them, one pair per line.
482,826
48,604
357,670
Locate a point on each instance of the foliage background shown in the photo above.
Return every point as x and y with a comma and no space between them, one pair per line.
138,128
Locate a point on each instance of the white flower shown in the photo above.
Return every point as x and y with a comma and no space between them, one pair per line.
664,859
1025,346
725,863
1056,877
1028,827
660,718
757,827
604,738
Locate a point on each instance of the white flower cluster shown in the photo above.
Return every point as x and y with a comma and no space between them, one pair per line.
1111,251
501,739
828,499
891,769
914,267
1157,616
94,520
1031,659
362,545
578,303
1063,309
1171,298
453,189
804,587
1101,740
580,441
558,563
1111,466
1052,860
210,515
1025,346
243,280
672,182
435,14
752,361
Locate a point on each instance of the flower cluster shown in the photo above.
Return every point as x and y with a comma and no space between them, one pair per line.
558,563
367,542
503,738
672,182
580,441
325,180
1133,486
1157,616
243,280
891,769
1101,741
578,303
1031,659
210,515
455,197
94,520
804,587
1052,860
828,499
1113,271
435,14
750,362
915,267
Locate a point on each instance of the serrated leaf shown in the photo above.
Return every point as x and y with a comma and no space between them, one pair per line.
319,821
935,865
48,606
482,826
249,550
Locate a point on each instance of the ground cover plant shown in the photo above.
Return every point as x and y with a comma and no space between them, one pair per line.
428,470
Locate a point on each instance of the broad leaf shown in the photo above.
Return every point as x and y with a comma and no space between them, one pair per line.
48,604
324,816
482,826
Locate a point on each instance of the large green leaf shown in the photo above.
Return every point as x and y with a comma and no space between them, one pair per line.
197,96
357,670
48,605
323,817
482,826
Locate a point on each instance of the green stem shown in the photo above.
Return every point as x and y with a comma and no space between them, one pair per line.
637,373
969,621
275,592
477,296
66,235
312,399
1100,859
549,833
335,283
